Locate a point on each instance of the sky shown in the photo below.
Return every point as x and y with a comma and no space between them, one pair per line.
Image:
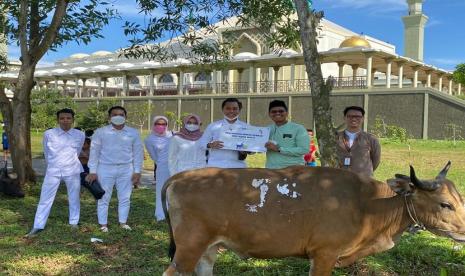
381,19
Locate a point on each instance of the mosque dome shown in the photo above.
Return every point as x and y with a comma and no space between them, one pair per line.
79,55
355,41
101,53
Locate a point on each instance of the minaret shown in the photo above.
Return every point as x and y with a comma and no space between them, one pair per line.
414,33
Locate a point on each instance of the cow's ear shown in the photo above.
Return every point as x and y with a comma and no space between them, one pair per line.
401,186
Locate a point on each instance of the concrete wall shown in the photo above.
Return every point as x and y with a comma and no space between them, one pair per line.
425,113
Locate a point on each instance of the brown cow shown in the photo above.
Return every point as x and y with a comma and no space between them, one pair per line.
331,216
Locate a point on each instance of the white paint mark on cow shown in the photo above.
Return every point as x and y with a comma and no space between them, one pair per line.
259,183
283,189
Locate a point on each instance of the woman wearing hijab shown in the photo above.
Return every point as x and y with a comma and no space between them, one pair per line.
184,153
157,144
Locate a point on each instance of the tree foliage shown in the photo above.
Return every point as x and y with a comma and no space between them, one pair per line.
45,103
37,26
95,116
459,74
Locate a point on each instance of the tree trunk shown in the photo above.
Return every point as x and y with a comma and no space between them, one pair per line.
308,23
20,126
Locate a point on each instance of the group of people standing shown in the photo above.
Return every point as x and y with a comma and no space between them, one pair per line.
116,154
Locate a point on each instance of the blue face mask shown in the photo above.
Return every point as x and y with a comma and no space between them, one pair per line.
192,127
118,120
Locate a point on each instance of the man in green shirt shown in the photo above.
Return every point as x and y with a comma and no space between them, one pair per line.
289,142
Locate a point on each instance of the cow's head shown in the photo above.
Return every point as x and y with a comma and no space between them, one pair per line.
436,203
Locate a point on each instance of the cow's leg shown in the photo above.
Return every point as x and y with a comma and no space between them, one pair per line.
323,263
207,261
190,245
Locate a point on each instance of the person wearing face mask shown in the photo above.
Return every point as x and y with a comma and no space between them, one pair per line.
219,157
157,144
116,157
184,153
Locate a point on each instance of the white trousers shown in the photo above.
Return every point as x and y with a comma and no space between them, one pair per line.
47,196
162,175
119,176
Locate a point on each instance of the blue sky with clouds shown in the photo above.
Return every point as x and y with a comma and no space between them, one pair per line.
444,38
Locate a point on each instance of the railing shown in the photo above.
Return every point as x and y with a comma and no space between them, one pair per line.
279,86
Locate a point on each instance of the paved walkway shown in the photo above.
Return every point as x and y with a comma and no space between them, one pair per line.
39,166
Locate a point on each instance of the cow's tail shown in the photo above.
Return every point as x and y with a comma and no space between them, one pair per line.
172,248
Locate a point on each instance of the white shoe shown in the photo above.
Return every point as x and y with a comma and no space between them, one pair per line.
104,229
126,227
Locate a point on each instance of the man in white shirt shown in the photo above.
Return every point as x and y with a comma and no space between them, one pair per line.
116,156
61,149
219,157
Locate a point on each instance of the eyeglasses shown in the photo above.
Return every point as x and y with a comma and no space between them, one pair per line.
358,117
278,111
160,124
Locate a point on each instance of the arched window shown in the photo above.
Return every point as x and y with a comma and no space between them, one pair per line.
134,80
166,78
202,76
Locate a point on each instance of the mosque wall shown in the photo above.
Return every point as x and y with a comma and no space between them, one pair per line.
403,109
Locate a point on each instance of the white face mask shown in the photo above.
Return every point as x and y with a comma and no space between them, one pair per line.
192,127
117,120
231,119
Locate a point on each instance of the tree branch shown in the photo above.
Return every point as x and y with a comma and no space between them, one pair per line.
52,31
22,28
35,23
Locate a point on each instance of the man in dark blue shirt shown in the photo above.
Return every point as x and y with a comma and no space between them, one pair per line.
5,144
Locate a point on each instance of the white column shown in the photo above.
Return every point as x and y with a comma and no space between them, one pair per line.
388,73
251,78
151,84
180,82
99,83
440,84
230,81
354,74
56,83
258,79
428,79
292,77
459,89
64,87
450,87
214,76
104,92
369,73
275,78
76,88
83,88
401,75
125,91
415,77
270,79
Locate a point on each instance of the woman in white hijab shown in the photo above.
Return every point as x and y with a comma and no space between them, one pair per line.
184,150
157,144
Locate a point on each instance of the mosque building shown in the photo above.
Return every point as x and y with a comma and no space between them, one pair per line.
353,61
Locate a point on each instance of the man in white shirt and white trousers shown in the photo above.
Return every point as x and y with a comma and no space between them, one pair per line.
62,146
116,157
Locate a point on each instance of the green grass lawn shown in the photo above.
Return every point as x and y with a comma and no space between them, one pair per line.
58,250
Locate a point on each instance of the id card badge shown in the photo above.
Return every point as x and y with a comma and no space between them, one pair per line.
347,161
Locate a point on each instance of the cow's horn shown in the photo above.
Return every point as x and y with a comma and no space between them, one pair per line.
443,173
424,185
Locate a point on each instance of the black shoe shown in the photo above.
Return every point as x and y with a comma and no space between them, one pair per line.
33,232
